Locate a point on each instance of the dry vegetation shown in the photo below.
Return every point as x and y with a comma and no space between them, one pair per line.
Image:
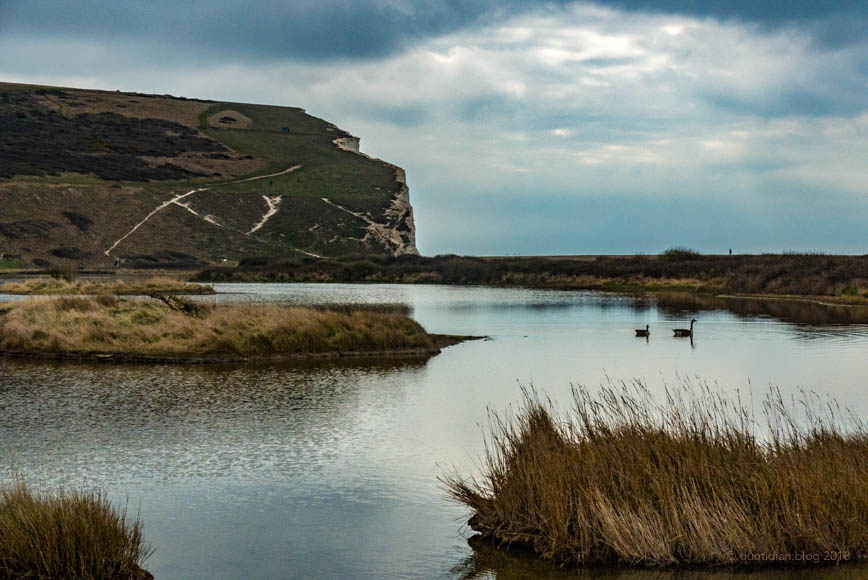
628,481
56,286
81,102
842,277
68,534
177,328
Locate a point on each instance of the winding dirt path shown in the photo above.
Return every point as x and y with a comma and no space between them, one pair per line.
177,198
273,204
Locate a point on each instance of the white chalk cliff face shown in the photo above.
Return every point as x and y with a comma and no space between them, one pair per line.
398,234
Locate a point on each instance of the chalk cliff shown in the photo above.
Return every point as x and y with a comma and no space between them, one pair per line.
97,178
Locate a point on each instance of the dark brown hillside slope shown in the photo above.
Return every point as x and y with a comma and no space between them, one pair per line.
39,141
88,178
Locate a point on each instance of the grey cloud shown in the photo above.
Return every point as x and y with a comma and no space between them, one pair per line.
311,30
307,30
403,116
838,93
797,102
764,12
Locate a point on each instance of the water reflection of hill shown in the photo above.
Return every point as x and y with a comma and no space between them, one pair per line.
800,312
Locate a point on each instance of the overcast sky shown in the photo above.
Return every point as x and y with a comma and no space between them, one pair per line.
527,127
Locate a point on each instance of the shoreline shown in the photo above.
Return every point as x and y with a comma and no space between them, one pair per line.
72,286
440,341
838,277
175,330
820,300
603,285
518,553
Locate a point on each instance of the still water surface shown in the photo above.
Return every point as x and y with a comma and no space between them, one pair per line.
330,469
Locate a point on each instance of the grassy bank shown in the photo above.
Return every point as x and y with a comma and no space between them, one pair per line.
105,324
7,264
628,481
789,309
58,286
793,274
68,534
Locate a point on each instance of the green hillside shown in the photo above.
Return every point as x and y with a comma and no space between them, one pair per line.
94,178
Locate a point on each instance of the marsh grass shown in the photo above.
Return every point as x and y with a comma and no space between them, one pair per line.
61,286
677,268
393,308
68,534
695,480
11,264
106,324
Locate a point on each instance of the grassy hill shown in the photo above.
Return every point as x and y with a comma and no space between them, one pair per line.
90,177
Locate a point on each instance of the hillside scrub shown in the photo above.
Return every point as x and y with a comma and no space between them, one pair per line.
68,534
693,481
845,277
60,286
105,324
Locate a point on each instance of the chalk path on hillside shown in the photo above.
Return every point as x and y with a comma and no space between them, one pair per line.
273,204
175,201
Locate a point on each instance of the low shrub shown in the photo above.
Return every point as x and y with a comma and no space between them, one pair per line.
679,253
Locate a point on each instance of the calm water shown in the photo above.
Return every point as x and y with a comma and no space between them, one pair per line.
330,470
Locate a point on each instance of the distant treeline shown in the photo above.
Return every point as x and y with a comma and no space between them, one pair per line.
789,273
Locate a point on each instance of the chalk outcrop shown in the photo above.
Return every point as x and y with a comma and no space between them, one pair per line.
399,230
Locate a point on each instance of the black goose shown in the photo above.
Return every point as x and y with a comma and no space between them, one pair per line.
643,332
684,331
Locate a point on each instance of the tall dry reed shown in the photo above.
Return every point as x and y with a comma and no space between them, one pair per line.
68,534
694,480
45,285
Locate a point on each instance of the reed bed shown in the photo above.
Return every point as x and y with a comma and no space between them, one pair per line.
68,534
60,286
106,324
843,277
695,480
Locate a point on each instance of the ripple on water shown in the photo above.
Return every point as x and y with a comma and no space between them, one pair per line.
329,469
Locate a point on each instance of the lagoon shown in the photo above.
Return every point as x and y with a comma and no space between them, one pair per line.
330,469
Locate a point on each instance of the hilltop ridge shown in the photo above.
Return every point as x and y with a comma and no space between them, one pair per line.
97,178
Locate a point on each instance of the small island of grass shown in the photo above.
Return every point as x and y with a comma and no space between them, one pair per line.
692,482
60,286
108,327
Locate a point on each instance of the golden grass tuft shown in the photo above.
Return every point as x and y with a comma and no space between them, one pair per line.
626,480
149,328
58,286
68,534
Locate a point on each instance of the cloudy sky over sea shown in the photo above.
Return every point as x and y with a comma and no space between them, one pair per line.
527,127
